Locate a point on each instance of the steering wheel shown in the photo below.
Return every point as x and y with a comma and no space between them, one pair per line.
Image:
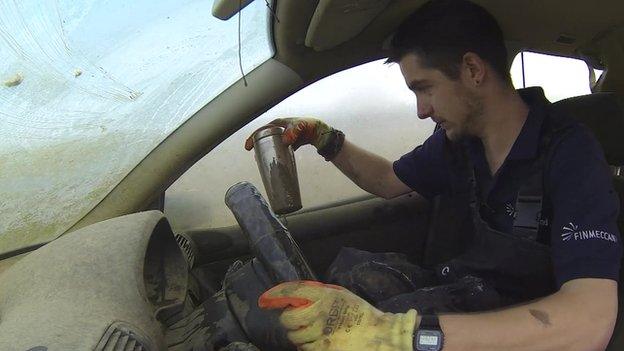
269,240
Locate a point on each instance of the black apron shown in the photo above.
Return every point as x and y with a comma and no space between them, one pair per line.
517,264
519,268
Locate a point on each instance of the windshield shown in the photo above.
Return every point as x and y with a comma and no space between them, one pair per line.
90,87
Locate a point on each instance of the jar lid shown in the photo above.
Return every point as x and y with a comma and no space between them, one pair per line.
268,131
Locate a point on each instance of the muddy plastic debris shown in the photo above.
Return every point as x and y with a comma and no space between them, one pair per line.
14,80
239,346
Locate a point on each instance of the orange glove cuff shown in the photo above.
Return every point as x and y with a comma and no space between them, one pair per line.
268,301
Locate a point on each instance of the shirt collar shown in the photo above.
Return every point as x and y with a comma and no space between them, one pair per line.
527,142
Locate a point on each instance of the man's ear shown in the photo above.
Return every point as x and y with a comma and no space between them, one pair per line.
473,68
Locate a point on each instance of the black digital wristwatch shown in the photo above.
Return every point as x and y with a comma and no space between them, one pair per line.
429,335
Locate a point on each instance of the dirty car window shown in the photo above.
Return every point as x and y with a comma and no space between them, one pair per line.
89,88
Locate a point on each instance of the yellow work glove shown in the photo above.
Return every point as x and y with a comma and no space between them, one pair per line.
302,131
324,317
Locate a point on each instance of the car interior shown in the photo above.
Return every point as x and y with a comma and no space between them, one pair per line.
313,39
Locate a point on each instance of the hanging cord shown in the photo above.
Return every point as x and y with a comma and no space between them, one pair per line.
240,56
272,11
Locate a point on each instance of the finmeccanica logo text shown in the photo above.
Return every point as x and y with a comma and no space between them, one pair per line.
571,232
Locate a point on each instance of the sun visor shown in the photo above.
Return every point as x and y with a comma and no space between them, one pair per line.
336,21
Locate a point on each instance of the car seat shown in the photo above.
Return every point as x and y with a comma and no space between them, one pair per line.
603,114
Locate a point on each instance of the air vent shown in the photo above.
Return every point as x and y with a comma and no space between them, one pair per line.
187,248
122,337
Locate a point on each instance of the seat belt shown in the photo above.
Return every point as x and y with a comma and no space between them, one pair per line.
532,213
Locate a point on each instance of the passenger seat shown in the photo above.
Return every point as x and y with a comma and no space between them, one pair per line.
603,113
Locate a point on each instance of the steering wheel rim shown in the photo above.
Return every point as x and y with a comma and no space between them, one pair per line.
268,238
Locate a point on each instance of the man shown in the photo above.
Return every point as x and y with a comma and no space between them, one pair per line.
493,140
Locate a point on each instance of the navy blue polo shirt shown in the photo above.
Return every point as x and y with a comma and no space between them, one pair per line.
584,237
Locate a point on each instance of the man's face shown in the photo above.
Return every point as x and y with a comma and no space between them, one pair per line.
452,103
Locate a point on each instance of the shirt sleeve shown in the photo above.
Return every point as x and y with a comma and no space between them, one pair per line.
585,239
425,169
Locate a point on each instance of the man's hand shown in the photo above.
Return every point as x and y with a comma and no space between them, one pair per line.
331,318
298,132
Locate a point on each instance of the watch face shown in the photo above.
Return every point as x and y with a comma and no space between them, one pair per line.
428,340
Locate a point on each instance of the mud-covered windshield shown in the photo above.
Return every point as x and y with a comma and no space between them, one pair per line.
90,87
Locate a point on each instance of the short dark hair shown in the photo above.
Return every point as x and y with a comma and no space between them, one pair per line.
441,31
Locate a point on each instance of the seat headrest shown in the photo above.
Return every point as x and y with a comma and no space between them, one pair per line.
603,114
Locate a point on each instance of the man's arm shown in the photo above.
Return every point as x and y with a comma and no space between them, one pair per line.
580,316
370,172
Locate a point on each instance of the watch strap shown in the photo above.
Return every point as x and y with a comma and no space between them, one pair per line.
429,321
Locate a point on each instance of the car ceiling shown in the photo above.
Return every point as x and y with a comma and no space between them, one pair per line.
557,27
